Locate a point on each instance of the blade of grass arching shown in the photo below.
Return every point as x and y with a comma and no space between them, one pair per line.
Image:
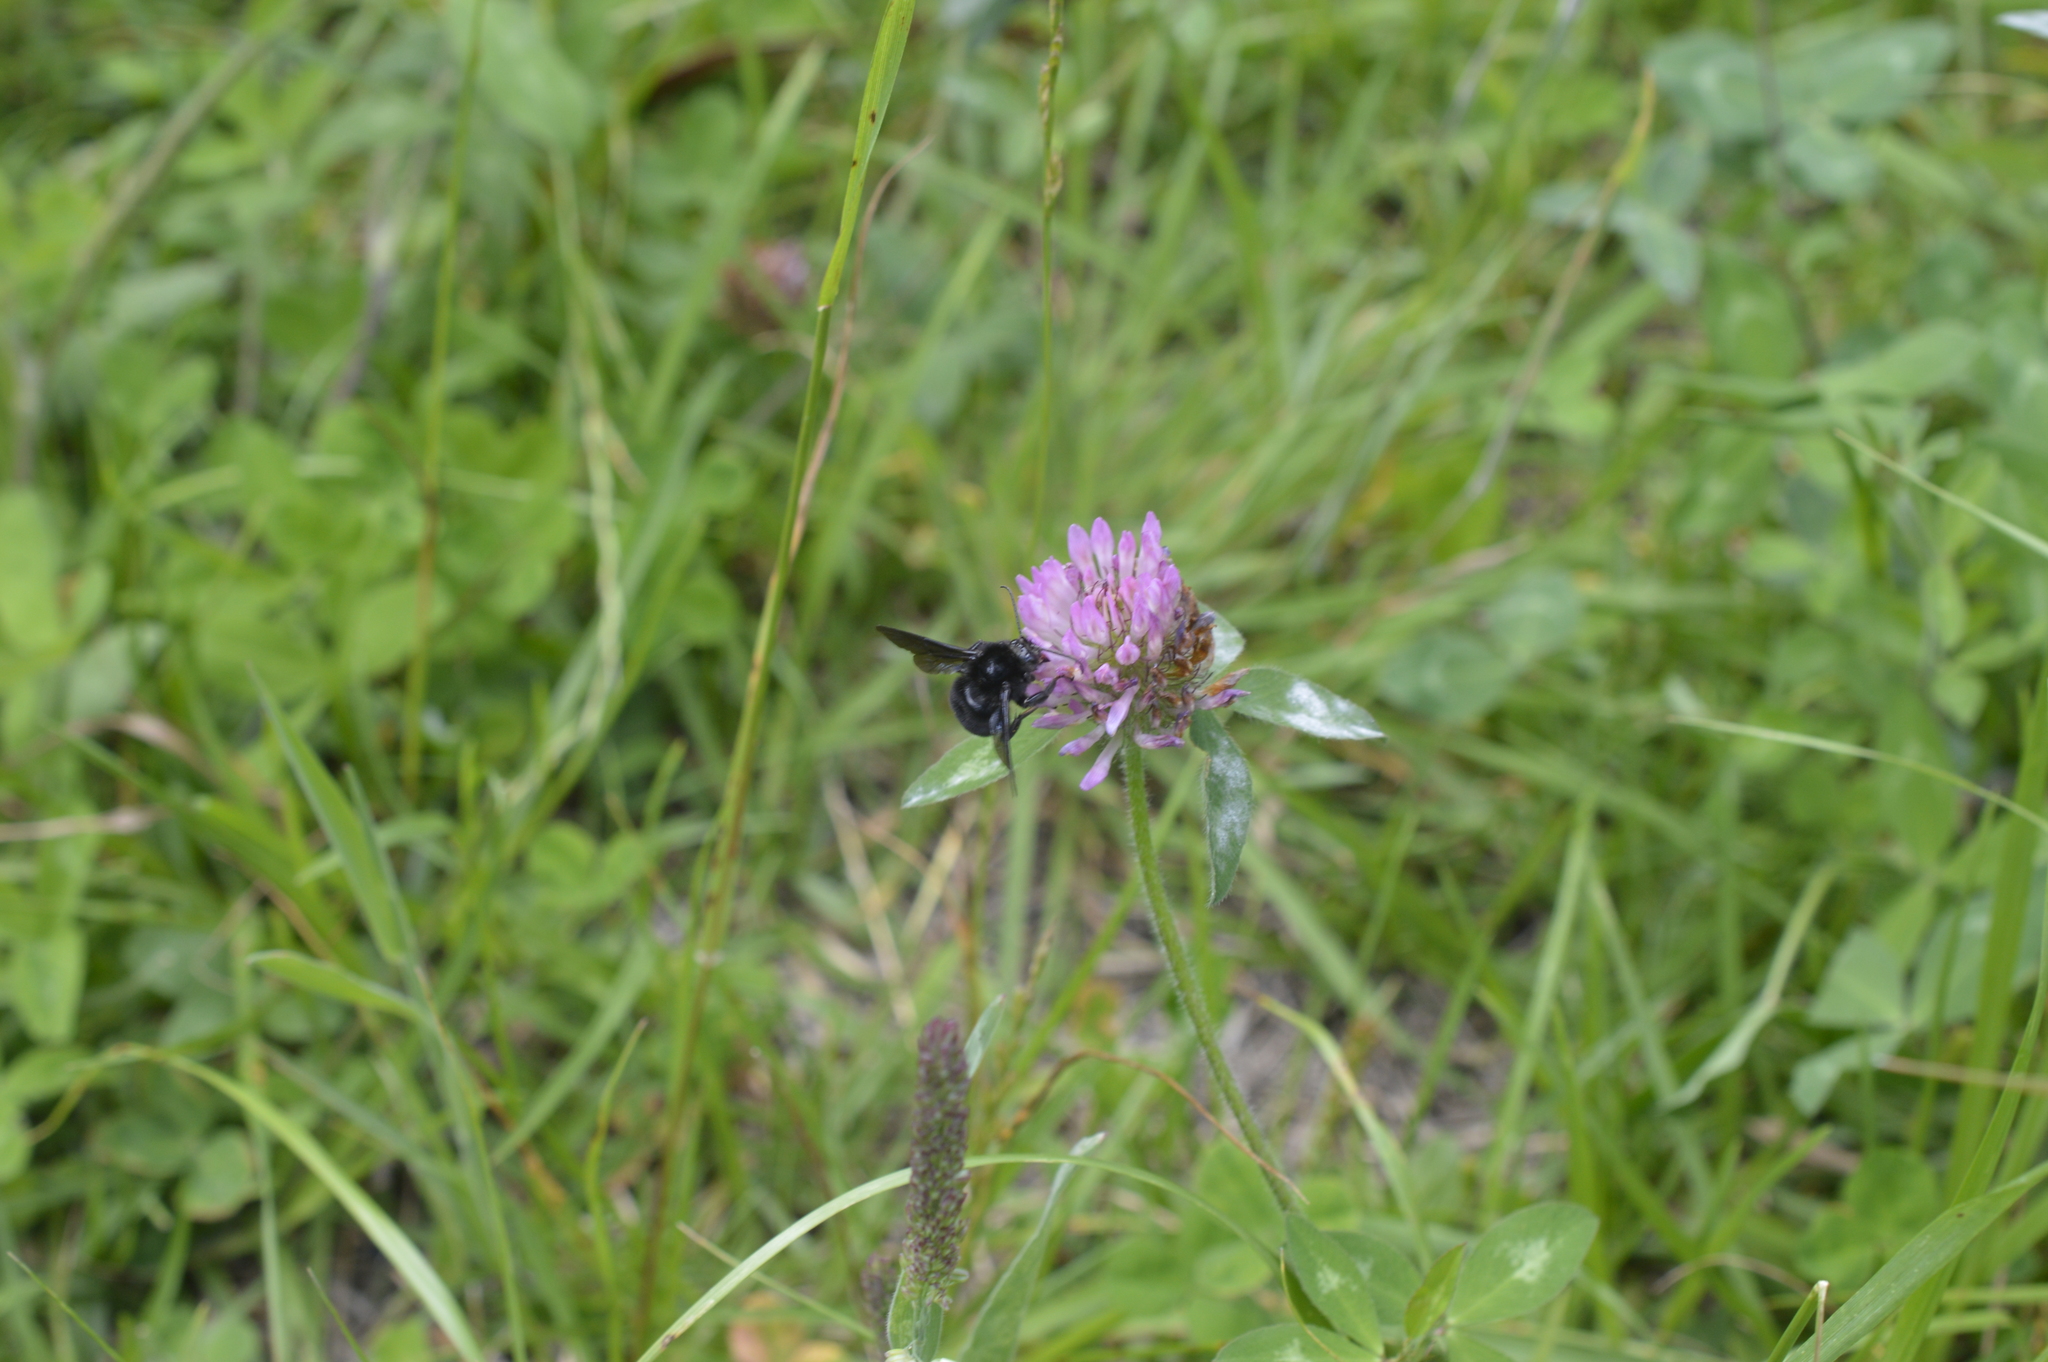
618,1000
718,867
2032,543
1916,1268
1729,1055
889,1182
720,240
458,1085
348,1335
994,1337
1393,1162
348,836
1571,888
397,1247
1985,1143
436,418
58,1300
1845,749
858,1328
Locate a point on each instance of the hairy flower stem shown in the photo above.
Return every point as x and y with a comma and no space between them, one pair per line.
1186,982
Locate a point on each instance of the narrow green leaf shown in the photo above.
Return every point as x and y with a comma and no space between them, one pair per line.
618,1000
767,1253
1734,1047
398,1248
1296,702
984,1033
1925,1254
1522,1261
1333,1281
1433,1297
874,104
361,862
332,981
972,764
1002,1319
1228,786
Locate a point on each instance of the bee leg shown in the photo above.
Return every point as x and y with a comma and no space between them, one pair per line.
1000,729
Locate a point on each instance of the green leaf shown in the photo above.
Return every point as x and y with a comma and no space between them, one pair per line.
972,764
46,976
527,80
222,1178
1829,162
1924,1255
1433,1297
398,1248
2033,21
1523,1261
1924,360
1460,1346
1002,1319
1294,702
1664,249
1815,1076
1332,1280
1866,75
1305,1308
1228,785
1451,675
332,981
1292,1343
1388,1274
29,618
1865,985
1229,644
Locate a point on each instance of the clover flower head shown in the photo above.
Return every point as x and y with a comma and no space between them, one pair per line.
1125,648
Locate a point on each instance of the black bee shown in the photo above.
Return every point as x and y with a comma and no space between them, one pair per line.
991,678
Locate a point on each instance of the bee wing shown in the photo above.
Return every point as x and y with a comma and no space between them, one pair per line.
929,654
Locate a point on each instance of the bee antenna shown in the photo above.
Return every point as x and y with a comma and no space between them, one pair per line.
1013,604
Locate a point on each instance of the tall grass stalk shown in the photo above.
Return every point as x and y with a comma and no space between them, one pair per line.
717,877
1049,193
436,418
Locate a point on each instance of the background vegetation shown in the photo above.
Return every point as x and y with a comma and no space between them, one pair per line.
295,327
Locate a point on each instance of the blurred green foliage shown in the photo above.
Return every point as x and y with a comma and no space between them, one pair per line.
1302,261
